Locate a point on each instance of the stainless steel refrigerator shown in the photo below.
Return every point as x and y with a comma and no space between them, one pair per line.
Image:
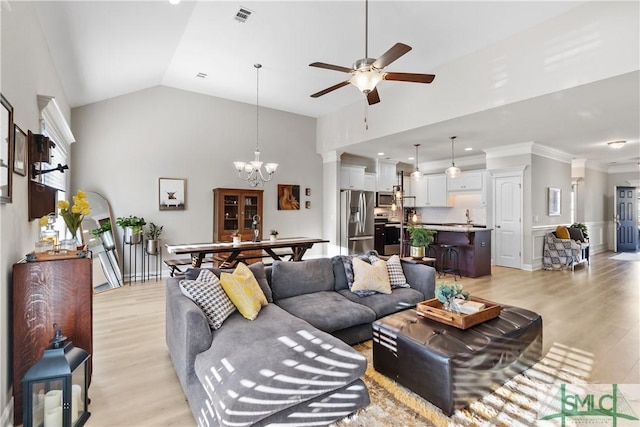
356,221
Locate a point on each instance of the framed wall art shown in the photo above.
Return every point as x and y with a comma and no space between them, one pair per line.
554,201
172,194
19,151
288,197
6,150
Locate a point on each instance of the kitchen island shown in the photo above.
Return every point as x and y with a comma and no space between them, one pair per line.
472,243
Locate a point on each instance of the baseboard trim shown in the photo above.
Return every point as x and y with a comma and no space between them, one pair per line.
7,415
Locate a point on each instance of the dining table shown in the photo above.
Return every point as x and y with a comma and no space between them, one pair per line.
228,254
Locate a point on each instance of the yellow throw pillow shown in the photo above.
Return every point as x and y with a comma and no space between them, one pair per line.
370,277
243,290
562,232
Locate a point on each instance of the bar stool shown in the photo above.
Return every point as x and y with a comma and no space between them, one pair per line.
449,252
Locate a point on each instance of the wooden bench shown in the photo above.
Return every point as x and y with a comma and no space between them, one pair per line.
222,263
176,263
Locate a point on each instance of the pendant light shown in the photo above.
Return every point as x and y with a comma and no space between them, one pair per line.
452,171
416,175
252,171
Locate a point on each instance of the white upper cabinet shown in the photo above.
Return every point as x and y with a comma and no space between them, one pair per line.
387,177
370,181
436,186
466,181
352,177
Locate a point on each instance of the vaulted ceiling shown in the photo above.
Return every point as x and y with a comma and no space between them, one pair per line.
104,49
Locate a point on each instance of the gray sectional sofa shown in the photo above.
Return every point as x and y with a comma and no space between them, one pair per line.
292,364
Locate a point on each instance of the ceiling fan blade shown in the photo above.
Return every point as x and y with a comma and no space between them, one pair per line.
330,89
396,51
373,97
410,77
331,67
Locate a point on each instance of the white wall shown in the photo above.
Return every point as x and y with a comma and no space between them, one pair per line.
27,71
126,143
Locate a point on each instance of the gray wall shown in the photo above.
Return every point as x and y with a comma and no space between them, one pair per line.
548,173
126,143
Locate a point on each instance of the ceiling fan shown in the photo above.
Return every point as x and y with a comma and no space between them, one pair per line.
367,72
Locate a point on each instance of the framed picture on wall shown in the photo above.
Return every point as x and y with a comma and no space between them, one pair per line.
172,194
288,197
19,151
6,150
554,201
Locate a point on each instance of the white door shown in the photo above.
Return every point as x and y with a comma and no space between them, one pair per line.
508,211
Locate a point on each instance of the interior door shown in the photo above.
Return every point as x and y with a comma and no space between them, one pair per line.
508,221
626,222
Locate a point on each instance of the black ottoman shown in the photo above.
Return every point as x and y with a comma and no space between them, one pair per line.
451,367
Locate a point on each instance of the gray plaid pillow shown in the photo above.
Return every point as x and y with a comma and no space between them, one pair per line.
208,294
396,274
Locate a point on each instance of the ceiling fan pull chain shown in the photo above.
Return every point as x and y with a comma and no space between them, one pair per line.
366,114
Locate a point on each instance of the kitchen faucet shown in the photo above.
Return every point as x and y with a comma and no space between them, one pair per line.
468,216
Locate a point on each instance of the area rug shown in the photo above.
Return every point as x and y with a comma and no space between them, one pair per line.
627,256
517,403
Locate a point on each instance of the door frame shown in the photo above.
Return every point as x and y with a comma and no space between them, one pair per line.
514,172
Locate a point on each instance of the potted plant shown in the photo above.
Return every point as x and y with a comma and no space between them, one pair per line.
104,233
420,239
236,236
153,241
133,228
273,235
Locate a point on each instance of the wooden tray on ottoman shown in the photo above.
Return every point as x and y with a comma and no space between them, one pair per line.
432,309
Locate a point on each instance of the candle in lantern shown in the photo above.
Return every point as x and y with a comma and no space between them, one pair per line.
76,402
52,399
53,417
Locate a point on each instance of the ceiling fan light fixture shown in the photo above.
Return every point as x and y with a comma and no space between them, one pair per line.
616,144
452,171
366,80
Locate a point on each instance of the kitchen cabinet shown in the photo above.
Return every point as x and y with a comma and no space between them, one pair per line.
436,186
466,181
418,189
370,182
386,176
352,177
46,292
474,250
379,239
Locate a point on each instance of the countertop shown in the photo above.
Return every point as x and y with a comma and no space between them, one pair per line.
461,228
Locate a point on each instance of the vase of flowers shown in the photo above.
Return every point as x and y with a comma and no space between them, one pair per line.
273,235
447,295
74,214
236,237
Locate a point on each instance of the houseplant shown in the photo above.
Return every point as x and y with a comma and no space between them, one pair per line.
133,228
273,235
153,235
420,239
104,233
447,294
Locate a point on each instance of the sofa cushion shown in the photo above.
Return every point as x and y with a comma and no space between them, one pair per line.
328,310
256,369
370,277
576,234
382,304
257,269
295,278
562,232
397,278
243,290
208,294
343,268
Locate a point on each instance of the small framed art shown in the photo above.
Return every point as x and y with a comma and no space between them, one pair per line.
172,194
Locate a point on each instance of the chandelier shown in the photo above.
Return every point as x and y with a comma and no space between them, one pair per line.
252,171
452,171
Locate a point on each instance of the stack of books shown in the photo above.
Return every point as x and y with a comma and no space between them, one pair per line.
469,307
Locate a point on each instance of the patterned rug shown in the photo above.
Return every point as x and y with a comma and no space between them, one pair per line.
627,256
516,403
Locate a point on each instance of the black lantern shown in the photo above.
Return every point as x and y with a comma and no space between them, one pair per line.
55,388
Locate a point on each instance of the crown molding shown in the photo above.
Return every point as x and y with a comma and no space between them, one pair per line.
625,168
524,148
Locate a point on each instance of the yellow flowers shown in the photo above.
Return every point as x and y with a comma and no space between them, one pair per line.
44,221
73,217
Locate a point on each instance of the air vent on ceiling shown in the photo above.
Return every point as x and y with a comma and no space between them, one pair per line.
243,14
201,75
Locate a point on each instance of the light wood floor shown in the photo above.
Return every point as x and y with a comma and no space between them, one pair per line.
593,310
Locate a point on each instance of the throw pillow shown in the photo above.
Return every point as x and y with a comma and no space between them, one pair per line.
370,277
396,274
576,234
207,293
256,268
243,290
562,232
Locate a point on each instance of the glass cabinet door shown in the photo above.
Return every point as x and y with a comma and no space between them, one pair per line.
231,212
250,206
